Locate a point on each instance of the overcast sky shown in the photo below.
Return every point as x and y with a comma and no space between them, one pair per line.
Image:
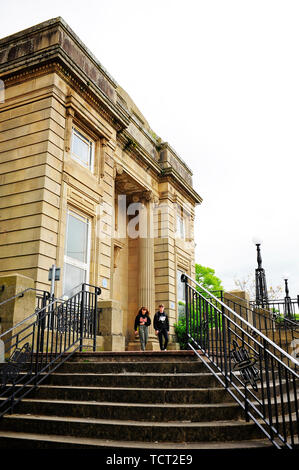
219,81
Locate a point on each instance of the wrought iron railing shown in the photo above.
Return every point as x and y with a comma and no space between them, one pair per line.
286,308
279,320
281,330
246,362
36,346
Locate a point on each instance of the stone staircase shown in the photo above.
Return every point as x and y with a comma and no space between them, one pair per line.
130,400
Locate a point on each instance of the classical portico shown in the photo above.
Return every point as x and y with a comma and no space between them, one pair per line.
133,283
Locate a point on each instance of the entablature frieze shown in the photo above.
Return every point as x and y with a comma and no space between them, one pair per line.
135,150
173,177
170,174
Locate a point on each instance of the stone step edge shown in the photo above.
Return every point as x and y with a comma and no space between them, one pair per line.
47,438
165,354
129,389
125,363
131,374
171,352
124,404
133,423
143,405
149,389
134,364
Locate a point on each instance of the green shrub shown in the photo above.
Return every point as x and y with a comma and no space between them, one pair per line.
199,330
180,330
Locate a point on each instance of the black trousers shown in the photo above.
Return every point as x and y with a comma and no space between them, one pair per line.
162,333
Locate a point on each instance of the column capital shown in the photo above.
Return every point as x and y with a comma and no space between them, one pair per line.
149,196
117,169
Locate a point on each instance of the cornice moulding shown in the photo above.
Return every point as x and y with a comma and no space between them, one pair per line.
37,48
173,174
124,138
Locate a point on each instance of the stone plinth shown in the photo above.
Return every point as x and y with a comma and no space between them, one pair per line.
239,302
17,309
110,325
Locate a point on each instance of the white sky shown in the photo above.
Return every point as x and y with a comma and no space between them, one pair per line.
219,81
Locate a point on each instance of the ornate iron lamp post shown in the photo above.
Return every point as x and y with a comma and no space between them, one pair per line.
261,294
288,308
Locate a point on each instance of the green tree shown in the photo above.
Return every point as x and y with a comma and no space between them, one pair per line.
206,277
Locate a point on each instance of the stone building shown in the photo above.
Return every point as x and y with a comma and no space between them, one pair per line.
87,185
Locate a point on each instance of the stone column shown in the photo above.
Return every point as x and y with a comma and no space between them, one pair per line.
146,262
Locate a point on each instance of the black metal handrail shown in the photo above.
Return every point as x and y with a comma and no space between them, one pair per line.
37,345
250,366
39,295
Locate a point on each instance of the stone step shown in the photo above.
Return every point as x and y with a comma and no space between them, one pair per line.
19,440
133,430
130,411
133,395
135,356
143,411
130,399
149,381
88,366
193,380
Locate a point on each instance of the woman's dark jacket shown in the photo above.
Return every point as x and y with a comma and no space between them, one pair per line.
140,316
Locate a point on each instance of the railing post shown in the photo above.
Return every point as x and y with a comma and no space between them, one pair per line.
269,405
95,317
42,320
51,317
224,347
184,279
37,347
82,316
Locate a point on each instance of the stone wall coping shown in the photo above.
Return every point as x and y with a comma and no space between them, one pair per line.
49,23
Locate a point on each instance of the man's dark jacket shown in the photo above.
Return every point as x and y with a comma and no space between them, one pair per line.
161,321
